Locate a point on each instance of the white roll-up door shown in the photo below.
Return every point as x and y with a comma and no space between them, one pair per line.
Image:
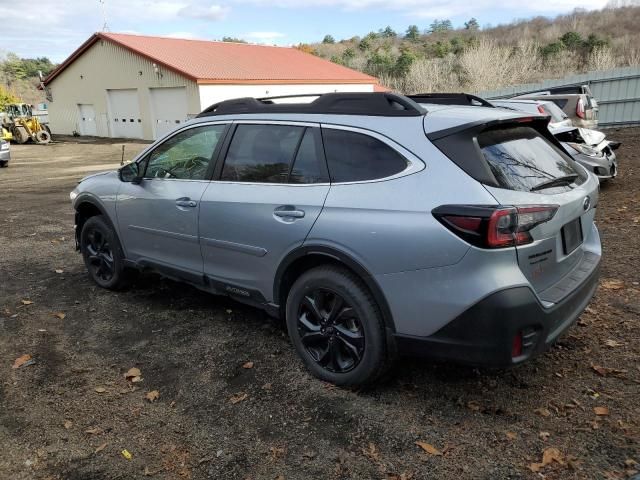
124,113
169,109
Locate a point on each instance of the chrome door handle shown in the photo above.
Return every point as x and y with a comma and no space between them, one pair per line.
186,202
284,213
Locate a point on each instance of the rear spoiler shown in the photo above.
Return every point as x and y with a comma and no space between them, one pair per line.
465,99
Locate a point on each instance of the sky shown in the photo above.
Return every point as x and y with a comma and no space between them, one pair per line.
55,28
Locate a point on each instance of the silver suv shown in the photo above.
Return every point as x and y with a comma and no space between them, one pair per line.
372,224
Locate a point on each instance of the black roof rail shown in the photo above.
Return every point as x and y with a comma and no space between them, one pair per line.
356,103
466,99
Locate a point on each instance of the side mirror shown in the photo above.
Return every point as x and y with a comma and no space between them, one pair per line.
130,173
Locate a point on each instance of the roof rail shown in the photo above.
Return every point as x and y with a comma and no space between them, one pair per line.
450,99
357,103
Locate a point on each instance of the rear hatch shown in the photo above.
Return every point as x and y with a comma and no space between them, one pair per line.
523,166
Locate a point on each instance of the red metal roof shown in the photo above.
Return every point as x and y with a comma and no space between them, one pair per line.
224,62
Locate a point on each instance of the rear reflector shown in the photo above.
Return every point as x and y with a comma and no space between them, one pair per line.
494,227
516,346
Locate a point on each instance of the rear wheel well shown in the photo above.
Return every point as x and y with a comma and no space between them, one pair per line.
307,262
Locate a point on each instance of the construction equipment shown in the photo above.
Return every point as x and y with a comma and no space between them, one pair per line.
18,124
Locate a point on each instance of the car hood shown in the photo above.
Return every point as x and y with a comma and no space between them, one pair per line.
93,175
591,137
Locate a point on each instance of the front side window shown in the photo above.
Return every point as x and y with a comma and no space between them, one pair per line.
264,154
355,157
186,155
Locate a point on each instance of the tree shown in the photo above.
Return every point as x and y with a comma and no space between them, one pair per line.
412,33
552,49
403,63
440,26
388,32
306,48
233,40
572,40
348,54
6,98
380,63
328,39
365,44
472,24
594,42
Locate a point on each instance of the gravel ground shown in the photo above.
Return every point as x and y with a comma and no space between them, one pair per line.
572,413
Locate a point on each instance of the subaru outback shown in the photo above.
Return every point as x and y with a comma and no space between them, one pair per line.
373,225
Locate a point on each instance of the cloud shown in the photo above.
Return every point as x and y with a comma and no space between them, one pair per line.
201,12
434,8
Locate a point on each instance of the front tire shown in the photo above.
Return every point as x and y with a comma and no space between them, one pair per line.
336,327
102,254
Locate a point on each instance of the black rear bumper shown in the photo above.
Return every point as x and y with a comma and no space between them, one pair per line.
483,335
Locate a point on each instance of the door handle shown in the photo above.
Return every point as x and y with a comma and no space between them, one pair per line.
288,211
186,202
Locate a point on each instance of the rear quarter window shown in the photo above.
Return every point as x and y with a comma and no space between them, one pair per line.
520,158
356,157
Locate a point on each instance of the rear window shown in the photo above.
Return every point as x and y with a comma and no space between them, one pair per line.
556,113
561,102
520,158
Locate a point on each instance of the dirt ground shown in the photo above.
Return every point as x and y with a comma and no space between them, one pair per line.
572,413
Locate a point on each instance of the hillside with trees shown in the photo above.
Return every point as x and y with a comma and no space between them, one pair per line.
19,78
439,57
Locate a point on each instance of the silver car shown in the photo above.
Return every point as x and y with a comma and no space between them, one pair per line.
590,149
5,153
374,226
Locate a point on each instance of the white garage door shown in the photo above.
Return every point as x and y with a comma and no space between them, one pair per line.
169,108
87,119
124,112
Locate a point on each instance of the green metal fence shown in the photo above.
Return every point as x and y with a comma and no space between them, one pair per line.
617,92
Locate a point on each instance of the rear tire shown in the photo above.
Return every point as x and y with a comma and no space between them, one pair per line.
102,254
336,327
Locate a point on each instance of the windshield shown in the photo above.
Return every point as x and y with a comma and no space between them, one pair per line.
521,159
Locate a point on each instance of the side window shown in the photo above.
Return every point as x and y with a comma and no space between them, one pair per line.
186,155
261,153
309,166
354,157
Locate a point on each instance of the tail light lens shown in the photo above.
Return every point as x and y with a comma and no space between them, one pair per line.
541,110
494,227
580,108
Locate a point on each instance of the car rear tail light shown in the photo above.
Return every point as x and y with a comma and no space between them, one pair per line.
580,108
541,110
494,227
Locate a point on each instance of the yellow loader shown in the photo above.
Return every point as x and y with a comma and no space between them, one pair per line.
18,124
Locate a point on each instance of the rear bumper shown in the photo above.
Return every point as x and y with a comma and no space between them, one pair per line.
483,335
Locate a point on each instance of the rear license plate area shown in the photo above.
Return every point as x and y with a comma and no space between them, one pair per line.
572,236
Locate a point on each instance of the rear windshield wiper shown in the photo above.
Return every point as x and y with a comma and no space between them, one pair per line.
554,182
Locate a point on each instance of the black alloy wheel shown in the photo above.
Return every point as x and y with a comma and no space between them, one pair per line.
330,330
103,254
100,256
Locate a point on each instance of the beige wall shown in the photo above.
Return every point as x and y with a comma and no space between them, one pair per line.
107,66
212,94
